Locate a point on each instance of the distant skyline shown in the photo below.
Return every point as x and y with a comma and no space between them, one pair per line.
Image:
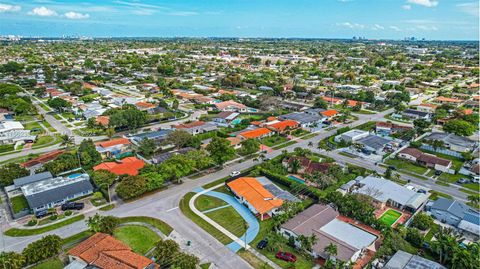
374,19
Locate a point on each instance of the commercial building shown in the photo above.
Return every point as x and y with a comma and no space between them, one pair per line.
351,136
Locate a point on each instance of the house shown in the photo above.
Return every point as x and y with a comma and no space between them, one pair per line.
103,251
447,100
404,260
329,114
306,120
233,106
456,214
255,134
387,128
113,148
410,154
329,227
43,191
333,101
127,166
12,132
306,165
235,142
160,158
388,193
250,192
453,141
42,159
373,144
144,106
425,159
426,107
281,127
157,136
415,114
351,136
224,118
350,88
196,127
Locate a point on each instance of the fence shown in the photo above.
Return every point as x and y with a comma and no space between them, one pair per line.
442,151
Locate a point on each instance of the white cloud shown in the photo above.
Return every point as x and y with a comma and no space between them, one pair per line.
394,28
182,13
43,12
427,27
351,25
469,8
76,16
377,27
425,3
9,8
407,7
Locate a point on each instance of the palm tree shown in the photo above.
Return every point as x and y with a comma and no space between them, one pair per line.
331,250
474,199
294,165
110,132
66,140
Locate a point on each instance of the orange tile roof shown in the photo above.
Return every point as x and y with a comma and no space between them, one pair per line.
446,99
476,97
329,113
428,105
282,125
104,251
144,105
255,194
329,99
255,133
354,103
467,111
226,104
271,118
113,142
128,166
42,158
102,120
257,123
189,125
234,141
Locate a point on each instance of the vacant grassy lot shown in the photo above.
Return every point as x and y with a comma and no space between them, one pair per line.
390,217
405,165
50,264
139,238
229,219
273,140
43,140
205,202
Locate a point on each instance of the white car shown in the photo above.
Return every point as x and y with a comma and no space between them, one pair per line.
234,173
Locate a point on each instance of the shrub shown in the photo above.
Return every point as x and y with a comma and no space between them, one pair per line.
32,222
68,213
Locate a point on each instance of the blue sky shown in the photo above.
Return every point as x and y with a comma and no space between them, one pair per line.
391,19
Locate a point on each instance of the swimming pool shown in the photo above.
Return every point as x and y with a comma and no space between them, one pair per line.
292,177
74,175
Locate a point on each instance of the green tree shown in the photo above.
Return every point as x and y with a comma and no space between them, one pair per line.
422,221
147,147
11,260
320,103
110,132
66,140
165,251
131,187
249,146
87,148
185,261
294,165
414,237
179,138
102,224
388,173
11,171
459,127
58,104
331,250
220,150
103,178
474,198
47,247
421,125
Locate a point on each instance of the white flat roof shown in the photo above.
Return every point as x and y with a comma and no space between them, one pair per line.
349,234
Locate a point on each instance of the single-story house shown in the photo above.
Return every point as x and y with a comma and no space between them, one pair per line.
103,251
196,127
385,192
250,192
453,141
404,260
127,166
447,100
416,114
373,143
255,133
13,131
386,128
113,147
425,159
306,165
225,117
42,159
456,214
328,227
157,136
282,126
305,120
351,136
233,106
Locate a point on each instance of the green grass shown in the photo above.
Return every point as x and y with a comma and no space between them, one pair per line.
205,265
107,207
309,136
200,222
205,202
19,203
284,145
67,241
468,191
472,186
253,260
436,194
390,217
44,107
49,127
365,112
15,232
441,183
42,140
139,238
229,219
34,125
162,226
405,165
273,140
6,148
50,264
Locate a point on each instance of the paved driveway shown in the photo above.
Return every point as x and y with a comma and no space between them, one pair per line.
253,225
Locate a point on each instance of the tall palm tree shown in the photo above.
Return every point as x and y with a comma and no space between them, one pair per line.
331,250
66,140
110,132
295,165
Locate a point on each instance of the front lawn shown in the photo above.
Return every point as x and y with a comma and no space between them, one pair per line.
162,226
457,163
27,232
6,148
229,219
50,264
19,203
273,140
390,216
42,140
139,238
205,202
405,165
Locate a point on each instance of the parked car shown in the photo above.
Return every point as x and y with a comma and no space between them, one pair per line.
286,256
392,167
75,206
422,191
41,214
262,244
437,173
463,180
234,173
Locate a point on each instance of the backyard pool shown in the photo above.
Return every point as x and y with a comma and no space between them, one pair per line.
294,178
74,175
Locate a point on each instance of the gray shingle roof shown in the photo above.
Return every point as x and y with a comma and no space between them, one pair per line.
57,194
31,178
373,141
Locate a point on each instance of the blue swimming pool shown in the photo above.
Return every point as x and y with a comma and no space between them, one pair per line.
74,175
292,177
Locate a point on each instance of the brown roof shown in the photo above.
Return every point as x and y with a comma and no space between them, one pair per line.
104,251
189,125
344,250
412,152
42,158
432,159
311,218
224,114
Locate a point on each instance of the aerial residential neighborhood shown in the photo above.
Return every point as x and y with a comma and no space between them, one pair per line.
141,135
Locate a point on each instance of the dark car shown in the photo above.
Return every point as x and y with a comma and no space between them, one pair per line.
41,214
463,180
437,173
286,256
262,244
392,167
71,206
422,191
